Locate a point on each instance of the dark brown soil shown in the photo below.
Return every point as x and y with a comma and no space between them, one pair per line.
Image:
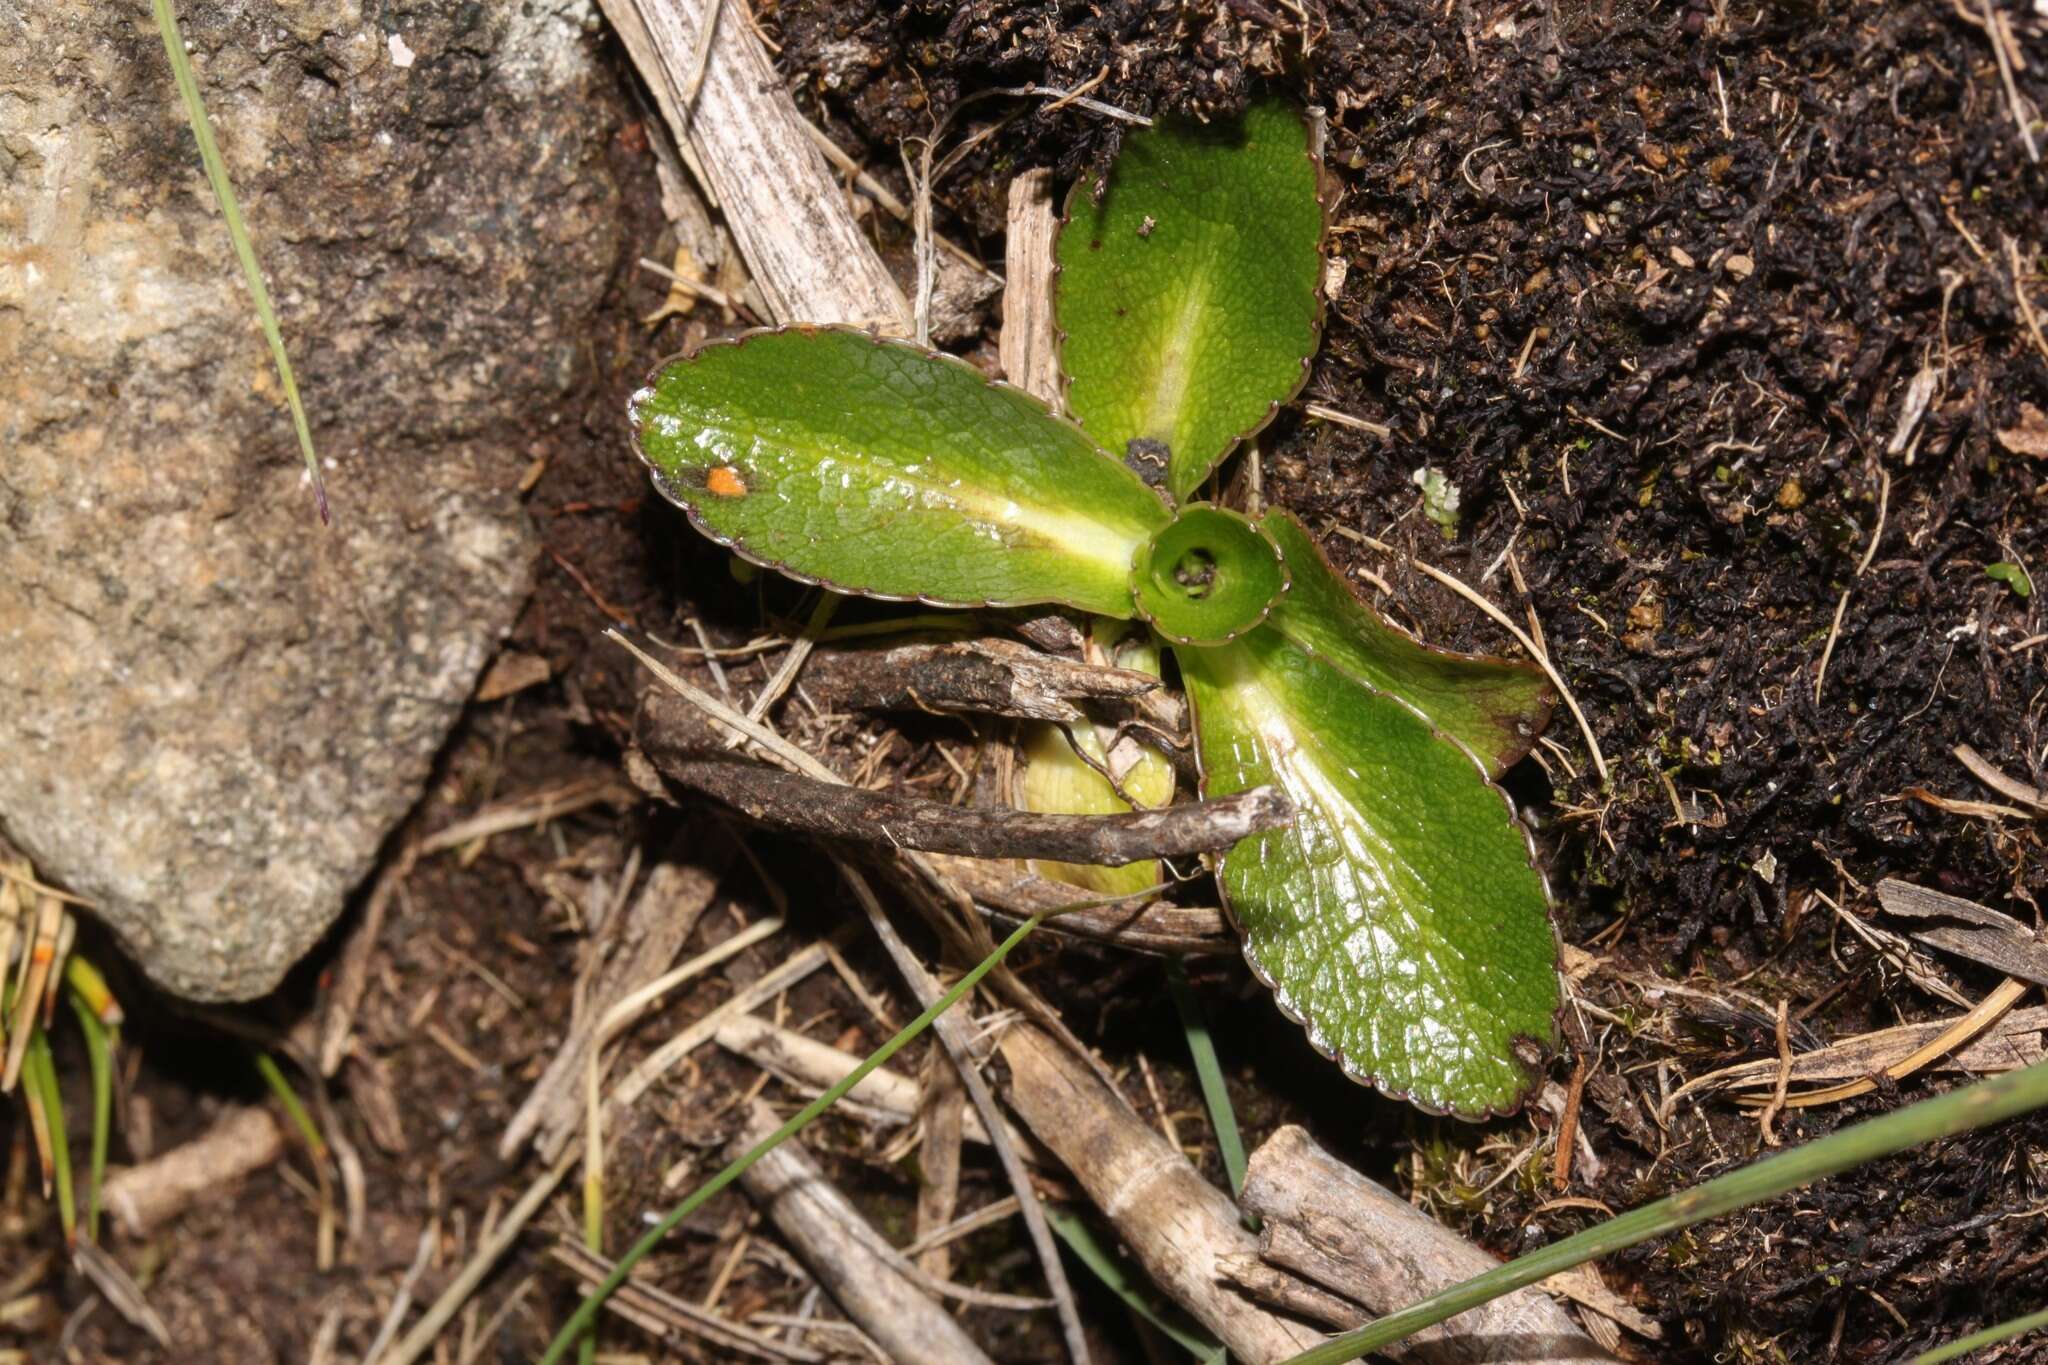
1651,286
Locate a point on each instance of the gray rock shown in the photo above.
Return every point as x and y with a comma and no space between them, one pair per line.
212,711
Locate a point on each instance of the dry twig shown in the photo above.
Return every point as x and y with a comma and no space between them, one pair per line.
145,1197
891,820
845,1254
953,1038
1179,1227
637,947
1332,1226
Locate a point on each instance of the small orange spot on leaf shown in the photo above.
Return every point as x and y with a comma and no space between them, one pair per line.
726,482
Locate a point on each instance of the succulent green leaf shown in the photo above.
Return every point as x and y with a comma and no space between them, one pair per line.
1398,918
877,467
1187,288
1494,707
1209,577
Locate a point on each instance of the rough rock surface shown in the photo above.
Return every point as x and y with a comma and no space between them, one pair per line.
214,711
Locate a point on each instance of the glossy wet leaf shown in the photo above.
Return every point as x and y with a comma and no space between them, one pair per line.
1207,578
1187,291
880,468
1398,917
1494,707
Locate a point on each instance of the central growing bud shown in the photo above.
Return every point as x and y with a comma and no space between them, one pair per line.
1208,577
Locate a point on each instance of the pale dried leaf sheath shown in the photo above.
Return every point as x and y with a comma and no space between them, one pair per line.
1030,344
786,209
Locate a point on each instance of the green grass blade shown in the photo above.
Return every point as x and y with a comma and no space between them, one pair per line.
586,1312
1990,1336
1209,1070
238,233
267,1067
39,1069
1960,1111
99,1052
1103,1264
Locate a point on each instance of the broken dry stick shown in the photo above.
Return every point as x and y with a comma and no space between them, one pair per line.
1139,923
1332,1226
888,820
145,1197
1178,1226
992,677
838,1246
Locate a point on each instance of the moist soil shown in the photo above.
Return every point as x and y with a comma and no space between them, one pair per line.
1709,314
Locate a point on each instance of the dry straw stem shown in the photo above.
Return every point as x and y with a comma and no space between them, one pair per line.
527,811
39,966
614,1021
20,874
793,662
664,1316
1346,419
872,1280
2019,292
1985,1013
877,191
2012,1042
352,975
809,1065
1536,650
428,1329
2011,788
634,947
773,983
768,742
2004,52
708,292
402,1299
